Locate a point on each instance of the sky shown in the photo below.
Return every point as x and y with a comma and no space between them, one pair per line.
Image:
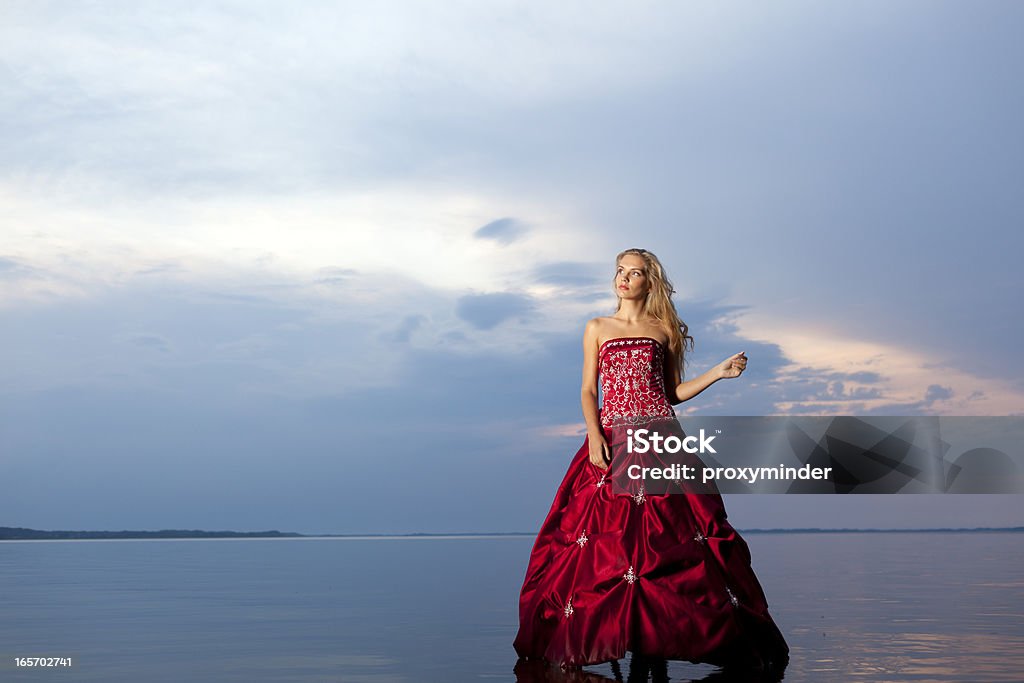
324,267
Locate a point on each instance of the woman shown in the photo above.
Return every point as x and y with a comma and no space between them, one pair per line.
618,565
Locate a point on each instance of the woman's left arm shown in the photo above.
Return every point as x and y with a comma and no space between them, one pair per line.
731,367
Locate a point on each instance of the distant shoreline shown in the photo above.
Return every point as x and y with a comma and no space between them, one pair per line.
23,534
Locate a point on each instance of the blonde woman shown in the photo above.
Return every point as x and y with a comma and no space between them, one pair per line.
622,564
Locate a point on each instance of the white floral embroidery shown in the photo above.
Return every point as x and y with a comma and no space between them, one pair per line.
568,608
732,598
629,576
582,540
632,381
640,496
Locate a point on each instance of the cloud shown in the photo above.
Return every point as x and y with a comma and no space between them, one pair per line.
503,231
335,276
296,222
426,132
572,274
277,382
937,392
150,341
485,311
403,333
10,267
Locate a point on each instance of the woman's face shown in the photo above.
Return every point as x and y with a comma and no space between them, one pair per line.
631,277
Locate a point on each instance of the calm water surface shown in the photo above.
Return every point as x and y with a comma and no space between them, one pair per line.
854,607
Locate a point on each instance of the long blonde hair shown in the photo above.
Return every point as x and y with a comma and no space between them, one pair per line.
658,305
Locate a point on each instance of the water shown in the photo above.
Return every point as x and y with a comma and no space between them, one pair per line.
863,607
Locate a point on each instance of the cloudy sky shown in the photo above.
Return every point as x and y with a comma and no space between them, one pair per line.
324,267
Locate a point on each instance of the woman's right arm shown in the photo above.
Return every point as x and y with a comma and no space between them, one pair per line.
599,452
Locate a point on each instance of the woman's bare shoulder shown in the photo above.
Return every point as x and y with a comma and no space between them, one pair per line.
596,326
593,331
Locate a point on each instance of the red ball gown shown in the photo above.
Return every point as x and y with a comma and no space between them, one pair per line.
658,574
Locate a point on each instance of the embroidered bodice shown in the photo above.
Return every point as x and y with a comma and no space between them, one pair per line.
633,381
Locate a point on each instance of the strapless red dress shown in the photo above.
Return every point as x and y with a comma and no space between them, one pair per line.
658,574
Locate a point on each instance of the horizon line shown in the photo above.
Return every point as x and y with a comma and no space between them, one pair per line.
24,533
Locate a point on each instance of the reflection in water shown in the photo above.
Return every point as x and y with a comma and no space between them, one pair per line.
640,670
928,608
865,607
923,657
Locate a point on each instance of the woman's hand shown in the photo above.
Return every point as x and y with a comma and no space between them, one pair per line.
733,366
599,452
